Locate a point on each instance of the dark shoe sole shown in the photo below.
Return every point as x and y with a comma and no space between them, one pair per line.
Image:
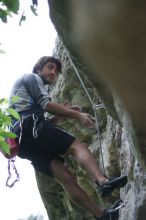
117,204
113,212
108,187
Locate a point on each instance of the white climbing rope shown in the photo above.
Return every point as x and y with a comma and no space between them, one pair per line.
94,107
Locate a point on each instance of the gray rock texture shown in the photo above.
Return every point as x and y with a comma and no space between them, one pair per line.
120,132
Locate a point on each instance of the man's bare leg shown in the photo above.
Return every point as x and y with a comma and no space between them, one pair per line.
86,160
63,175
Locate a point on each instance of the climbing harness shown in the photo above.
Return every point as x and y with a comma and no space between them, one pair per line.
95,107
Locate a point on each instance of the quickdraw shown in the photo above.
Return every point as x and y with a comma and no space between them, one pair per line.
11,163
34,129
13,153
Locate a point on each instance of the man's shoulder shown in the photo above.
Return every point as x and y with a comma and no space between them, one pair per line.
30,77
32,80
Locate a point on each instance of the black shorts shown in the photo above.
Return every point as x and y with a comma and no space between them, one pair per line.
52,143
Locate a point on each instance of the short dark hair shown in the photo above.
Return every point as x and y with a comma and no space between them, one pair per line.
43,61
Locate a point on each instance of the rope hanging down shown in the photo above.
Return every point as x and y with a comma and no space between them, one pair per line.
94,107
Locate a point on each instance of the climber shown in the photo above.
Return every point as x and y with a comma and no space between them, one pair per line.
44,144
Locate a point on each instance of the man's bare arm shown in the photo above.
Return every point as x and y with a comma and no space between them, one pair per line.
60,110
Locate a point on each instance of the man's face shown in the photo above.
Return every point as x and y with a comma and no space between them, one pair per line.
49,73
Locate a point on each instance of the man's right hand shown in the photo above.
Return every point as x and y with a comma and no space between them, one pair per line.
86,120
73,107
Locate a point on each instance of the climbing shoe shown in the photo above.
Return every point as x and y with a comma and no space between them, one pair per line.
113,212
113,183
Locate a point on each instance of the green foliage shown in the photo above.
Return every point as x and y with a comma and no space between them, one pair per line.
8,6
3,15
13,113
12,6
5,122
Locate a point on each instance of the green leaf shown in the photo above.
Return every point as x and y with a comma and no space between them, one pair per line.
5,119
5,147
3,15
13,113
6,134
2,139
2,101
12,5
15,99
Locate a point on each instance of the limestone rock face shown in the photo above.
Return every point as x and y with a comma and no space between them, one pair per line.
114,142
